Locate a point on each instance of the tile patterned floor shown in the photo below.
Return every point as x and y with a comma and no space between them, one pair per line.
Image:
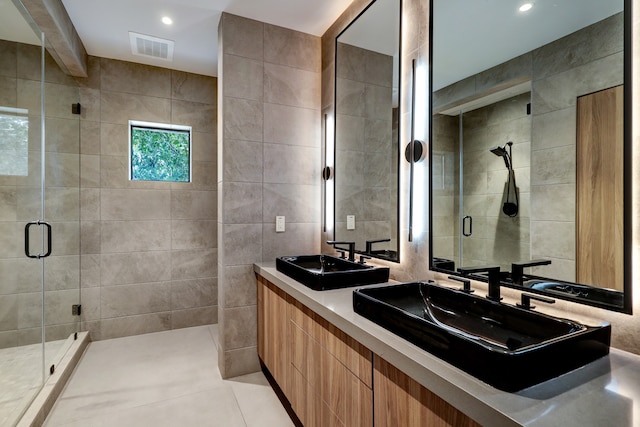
163,379
21,377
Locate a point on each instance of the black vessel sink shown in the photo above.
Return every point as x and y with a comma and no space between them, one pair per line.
505,346
323,272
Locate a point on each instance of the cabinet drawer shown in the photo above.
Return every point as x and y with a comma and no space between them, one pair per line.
356,357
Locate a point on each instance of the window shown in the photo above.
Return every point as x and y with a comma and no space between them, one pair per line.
14,141
159,152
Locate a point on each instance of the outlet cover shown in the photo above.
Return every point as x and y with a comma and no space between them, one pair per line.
351,222
279,224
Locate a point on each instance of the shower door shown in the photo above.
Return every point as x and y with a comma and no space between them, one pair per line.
472,188
39,212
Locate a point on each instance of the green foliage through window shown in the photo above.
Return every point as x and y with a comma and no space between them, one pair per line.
160,154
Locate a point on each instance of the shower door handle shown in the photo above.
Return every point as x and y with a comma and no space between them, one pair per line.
26,239
465,220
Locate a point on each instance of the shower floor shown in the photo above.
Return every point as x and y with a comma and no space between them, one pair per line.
21,377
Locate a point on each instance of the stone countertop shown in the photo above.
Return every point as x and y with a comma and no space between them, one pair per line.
604,393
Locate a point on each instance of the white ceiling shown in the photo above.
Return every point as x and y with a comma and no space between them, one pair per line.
490,32
104,26
13,26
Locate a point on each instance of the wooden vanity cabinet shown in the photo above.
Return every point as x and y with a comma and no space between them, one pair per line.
330,379
273,331
331,373
325,374
399,400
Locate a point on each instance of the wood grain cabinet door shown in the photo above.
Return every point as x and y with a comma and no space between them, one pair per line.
401,401
600,189
273,333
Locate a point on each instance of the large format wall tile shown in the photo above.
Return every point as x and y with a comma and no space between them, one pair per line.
127,300
198,234
194,264
193,204
287,164
242,36
135,325
135,204
243,243
240,289
193,293
243,161
201,117
134,236
300,239
291,86
128,77
295,201
135,267
243,77
8,91
291,48
193,87
292,125
243,119
194,317
8,53
242,202
241,327
119,108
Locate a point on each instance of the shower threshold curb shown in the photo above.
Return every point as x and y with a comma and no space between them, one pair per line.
42,404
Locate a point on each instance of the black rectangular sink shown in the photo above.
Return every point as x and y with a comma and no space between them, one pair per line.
324,272
507,347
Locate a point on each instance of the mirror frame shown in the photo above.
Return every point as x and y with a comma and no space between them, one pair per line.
627,305
400,145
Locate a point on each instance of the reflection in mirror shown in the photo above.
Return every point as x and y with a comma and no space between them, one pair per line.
366,136
529,153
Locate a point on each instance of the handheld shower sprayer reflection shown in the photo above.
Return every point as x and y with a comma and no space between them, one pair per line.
502,152
509,208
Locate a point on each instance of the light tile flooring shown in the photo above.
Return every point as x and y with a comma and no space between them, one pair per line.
163,379
21,376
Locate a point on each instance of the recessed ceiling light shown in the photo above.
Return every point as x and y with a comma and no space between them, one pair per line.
525,7
166,20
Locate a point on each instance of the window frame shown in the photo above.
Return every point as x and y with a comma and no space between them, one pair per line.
159,127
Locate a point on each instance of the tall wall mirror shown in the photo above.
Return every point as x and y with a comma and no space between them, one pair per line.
366,134
530,145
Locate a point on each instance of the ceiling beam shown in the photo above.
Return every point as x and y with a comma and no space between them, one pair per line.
53,19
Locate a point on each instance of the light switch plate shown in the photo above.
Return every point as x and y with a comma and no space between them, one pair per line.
280,224
351,222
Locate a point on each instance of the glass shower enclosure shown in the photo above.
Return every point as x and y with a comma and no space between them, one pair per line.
39,211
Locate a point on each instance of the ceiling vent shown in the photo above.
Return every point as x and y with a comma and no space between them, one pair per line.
151,47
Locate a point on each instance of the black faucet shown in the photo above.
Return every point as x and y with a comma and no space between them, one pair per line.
466,284
352,247
494,279
525,300
517,269
369,244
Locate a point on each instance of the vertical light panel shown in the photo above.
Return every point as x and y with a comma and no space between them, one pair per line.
635,178
421,133
329,163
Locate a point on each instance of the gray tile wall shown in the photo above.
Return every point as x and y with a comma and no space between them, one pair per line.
149,249
269,146
364,156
